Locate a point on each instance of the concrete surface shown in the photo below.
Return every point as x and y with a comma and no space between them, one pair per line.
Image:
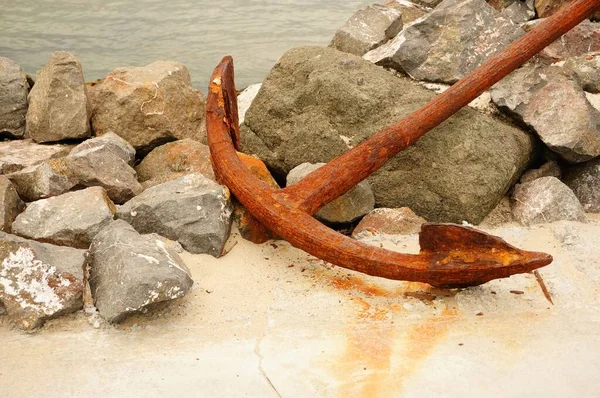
270,320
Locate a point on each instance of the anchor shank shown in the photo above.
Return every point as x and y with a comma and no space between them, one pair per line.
343,173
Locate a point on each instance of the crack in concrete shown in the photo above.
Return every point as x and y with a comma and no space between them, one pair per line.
260,367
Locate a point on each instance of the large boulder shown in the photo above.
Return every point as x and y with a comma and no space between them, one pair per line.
70,219
129,272
33,288
192,210
58,105
13,98
11,204
105,162
19,154
545,200
316,103
245,98
554,105
584,180
174,160
367,29
409,11
148,106
448,43
352,205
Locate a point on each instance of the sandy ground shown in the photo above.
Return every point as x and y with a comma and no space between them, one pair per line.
269,320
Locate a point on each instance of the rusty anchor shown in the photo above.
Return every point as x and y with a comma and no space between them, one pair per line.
451,256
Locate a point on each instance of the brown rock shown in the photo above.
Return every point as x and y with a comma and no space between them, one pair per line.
548,169
402,221
410,11
584,180
173,160
58,106
13,98
149,105
580,40
10,204
545,8
19,154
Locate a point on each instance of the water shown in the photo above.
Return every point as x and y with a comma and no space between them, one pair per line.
105,34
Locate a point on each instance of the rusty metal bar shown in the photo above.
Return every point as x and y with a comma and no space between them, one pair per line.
341,174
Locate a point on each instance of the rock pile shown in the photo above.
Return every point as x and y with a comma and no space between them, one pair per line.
95,175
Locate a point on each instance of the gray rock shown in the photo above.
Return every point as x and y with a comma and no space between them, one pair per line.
13,98
584,180
108,142
19,154
58,105
459,171
245,99
555,106
192,210
428,3
2,309
65,259
129,272
587,69
10,204
71,219
174,160
353,204
401,221
33,290
545,200
548,169
450,42
149,105
50,178
367,29
105,163
518,12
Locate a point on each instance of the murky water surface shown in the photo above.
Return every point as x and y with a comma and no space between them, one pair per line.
105,34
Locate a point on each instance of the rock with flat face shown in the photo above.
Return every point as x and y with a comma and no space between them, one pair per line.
174,160
109,142
58,105
129,272
587,70
11,204
13,98
353,204
148,106
367,29
451,41
19,154
192,210
50,178
401,221
545,200
459,171
71,219
581,40
105,163
555,106
584,180
245,99
33,290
